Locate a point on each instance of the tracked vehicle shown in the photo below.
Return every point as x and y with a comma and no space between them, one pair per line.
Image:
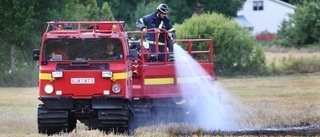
106,88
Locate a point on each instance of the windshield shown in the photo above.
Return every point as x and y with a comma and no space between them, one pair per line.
83,49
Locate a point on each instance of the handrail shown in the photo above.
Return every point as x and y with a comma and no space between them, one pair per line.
190,43
86,26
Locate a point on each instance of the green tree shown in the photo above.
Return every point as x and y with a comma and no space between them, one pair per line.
128,11
307,22
235,49
106,13
286,35
17,28
4,54
89,8
180,10
19,34
123,11
227,7
22,25
303,28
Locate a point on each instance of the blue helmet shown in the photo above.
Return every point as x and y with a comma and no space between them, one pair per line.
163,8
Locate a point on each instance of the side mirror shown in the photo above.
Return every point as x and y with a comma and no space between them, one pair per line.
36,54
133,54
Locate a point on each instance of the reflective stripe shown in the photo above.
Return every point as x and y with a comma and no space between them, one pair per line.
172,29
158,81
141,20
116,76
160,26
123,75
167,81
45,76
147,81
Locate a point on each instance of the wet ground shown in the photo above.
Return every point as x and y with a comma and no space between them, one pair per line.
290,131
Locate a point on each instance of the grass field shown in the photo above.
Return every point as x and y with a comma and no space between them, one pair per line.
275,102
279,101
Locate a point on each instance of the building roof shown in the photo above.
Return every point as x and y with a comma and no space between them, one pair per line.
285,4
242,21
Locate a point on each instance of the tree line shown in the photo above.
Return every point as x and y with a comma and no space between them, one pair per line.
23,22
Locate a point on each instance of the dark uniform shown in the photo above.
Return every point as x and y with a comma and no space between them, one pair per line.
154,21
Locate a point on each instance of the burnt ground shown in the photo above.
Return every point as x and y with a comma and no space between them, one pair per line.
290,131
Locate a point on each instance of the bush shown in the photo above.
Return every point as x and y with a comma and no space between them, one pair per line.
236,53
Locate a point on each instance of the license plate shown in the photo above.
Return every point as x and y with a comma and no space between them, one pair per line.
82,80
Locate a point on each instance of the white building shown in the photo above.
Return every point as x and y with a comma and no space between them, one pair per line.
265,15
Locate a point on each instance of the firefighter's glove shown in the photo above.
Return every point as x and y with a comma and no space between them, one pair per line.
144,30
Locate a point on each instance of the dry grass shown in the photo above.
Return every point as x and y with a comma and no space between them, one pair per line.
18,110
279,101
274,101
277,57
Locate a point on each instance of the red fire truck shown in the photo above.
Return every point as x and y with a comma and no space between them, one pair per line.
94,73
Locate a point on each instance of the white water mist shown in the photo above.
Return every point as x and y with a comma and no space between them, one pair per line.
215,109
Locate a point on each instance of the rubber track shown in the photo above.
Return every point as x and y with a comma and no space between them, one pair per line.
113,120
52,121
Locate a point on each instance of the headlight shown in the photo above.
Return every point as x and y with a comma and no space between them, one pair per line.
116,88
57,74
106,74
48,89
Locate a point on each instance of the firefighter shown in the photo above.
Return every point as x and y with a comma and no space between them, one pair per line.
158,20
58,54
109,49
113,50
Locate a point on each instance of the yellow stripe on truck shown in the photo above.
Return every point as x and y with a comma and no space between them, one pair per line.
158,81
123,75
116,76
164,81
147,81
45,76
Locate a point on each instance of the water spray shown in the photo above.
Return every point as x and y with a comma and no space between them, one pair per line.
211,107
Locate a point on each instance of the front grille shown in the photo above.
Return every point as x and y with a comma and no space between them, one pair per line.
83,67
